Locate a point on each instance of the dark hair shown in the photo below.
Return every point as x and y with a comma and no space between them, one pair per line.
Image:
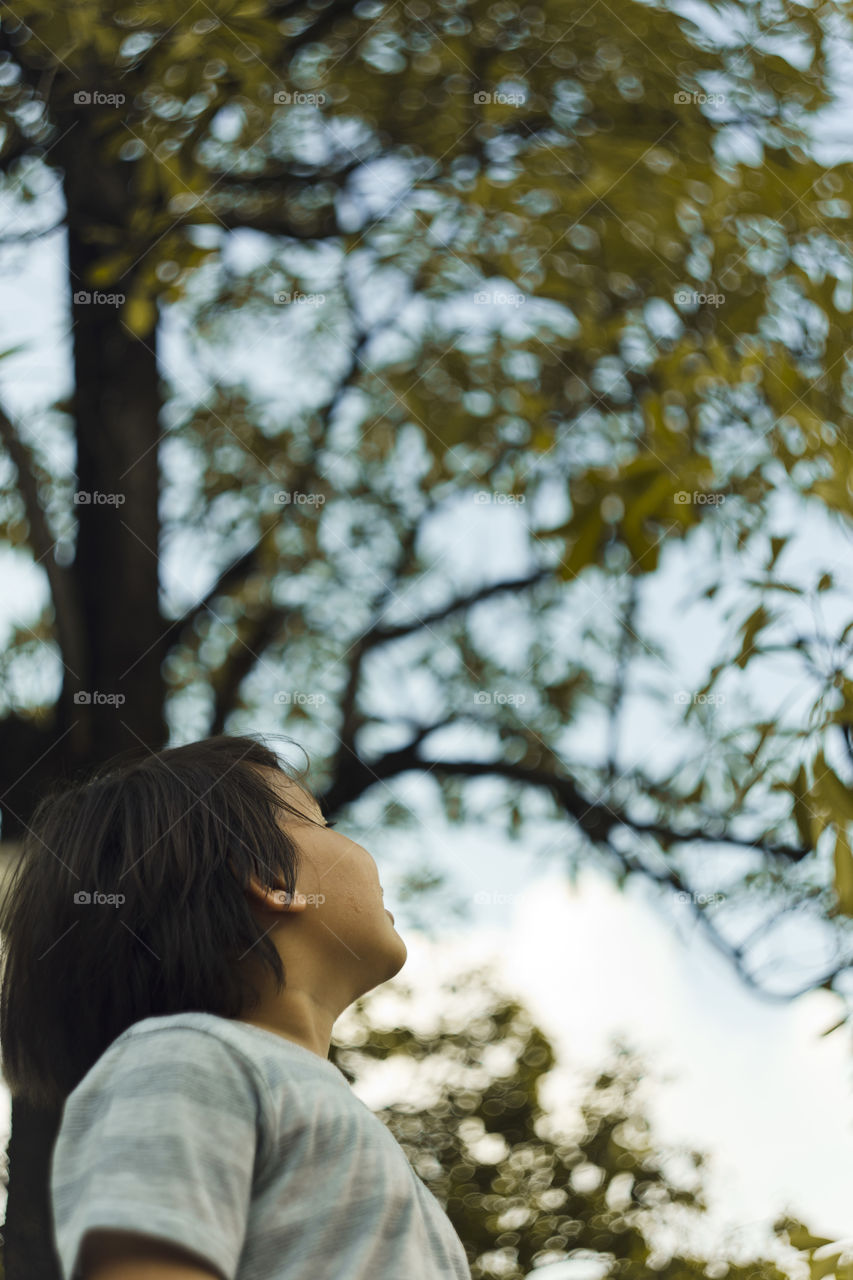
177,834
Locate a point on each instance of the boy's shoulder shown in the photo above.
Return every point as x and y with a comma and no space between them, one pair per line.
194,1028
198,1036
202,1062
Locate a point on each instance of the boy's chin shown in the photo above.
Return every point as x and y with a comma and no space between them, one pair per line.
397,956
386,959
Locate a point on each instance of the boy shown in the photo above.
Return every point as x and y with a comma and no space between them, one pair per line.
180,937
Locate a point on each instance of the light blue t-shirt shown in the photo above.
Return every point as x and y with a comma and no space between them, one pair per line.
249,1150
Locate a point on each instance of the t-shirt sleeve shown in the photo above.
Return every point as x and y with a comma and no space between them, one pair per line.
160,1138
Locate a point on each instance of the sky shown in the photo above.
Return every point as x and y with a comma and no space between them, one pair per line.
753,1082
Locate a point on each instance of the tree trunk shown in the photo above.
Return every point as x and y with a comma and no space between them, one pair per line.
116,703
116,409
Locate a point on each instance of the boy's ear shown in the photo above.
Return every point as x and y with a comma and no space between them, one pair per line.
274,898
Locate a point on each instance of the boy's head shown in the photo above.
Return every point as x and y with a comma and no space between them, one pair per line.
200,878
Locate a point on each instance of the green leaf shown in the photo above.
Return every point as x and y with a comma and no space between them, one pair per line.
829,791
844,872
801,1238
13,351
776,546
802,817
754,625
583,549
140,315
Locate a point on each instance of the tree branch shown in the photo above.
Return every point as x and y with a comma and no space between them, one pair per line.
524,130
280,180
272,221
350,719
698,835
379,635
321,26
252,560
597,821
735,955
21,237
262,632
229,578
63,592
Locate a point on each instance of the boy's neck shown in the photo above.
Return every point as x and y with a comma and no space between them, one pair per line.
296,1016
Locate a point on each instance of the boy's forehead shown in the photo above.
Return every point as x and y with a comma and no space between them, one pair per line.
296,795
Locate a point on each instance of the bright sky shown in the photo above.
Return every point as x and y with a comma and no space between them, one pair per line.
750,1081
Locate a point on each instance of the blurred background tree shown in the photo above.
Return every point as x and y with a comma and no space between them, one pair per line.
526,1186
352,288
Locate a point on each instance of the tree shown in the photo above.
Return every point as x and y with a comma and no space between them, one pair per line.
683,336
523,1186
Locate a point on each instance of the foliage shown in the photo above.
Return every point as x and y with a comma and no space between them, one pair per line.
343,277
523,1186
501,255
